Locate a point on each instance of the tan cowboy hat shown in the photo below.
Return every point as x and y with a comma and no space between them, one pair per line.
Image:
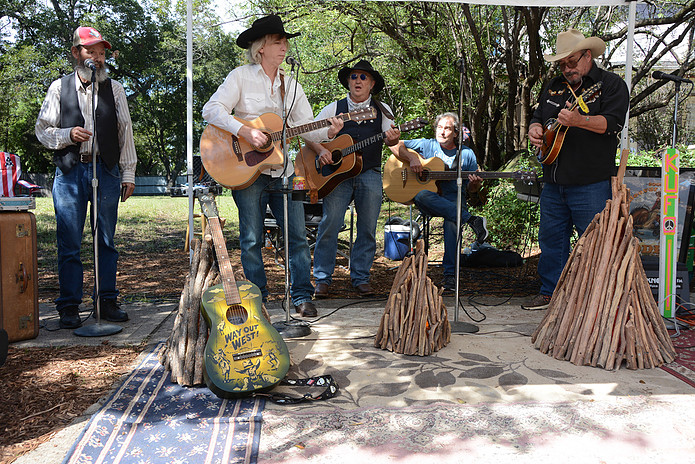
572,41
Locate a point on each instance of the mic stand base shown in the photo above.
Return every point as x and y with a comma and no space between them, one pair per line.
463,327
292,329
98,329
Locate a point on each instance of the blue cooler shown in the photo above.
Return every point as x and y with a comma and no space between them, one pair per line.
396,241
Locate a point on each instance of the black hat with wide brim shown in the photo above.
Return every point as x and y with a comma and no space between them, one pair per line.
271,24
362,65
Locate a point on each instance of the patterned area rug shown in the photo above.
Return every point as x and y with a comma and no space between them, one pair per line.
684,365
151,420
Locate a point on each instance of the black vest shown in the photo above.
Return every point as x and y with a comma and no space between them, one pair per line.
106,124
371,154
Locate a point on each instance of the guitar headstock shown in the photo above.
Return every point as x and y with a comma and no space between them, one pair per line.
527,176
363,115
208,205
413,124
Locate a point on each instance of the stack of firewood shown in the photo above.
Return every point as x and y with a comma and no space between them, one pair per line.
415,320
184,351
602,311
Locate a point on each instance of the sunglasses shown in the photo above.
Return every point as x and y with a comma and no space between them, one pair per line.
361,76
571,63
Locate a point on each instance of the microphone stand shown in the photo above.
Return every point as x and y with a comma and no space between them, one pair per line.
459,326
288,328
98,329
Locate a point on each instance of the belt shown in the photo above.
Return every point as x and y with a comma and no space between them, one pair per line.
86,158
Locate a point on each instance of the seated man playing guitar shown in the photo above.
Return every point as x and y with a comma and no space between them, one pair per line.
250,91
443,203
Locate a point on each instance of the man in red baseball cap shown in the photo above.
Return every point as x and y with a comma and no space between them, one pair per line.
81,138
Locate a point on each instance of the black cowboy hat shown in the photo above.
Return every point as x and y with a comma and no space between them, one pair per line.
362,65
271,24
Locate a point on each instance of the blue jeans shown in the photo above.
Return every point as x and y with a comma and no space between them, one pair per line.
72,195
365,191
562,207
252,203
444,206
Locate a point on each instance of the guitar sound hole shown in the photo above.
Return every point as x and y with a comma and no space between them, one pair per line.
336,157
423,176
266,147
236,314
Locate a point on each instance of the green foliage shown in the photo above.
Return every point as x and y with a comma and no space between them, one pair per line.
512,223
652,158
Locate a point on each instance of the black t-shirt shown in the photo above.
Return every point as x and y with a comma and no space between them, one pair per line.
585,157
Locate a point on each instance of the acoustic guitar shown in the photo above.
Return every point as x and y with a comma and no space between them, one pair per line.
235,163
243,353
401,184
347,161
554,132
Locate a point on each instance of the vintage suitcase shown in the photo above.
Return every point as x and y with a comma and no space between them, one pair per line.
19,289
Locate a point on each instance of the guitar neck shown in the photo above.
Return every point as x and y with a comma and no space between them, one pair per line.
450,175
368,141
304,128
231,292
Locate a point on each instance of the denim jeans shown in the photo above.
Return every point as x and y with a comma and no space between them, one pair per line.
444,206
72,197
252,202
365,191
562,207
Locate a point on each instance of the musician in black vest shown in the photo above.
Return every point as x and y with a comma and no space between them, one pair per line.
577,183
363,82
65,125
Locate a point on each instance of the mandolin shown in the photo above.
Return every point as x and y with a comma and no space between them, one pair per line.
347,162
236,164
244,353
554,132
401,184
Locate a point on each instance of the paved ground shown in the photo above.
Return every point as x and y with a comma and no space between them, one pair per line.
343,342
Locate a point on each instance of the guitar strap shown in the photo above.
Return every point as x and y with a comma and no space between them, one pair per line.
383,109
318,381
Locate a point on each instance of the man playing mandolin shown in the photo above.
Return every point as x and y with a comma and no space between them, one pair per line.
443,204
588,122
250,91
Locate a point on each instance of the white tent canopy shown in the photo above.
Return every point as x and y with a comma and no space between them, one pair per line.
538,3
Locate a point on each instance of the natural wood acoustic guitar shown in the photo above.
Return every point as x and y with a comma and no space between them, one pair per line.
554,132
347,160
235,163
401,184
244,353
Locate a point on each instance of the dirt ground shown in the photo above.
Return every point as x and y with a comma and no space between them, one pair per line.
48,387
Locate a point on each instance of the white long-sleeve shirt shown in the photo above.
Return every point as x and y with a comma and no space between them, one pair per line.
248,92
54,137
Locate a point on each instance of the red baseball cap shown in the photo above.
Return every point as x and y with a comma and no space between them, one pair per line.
87,36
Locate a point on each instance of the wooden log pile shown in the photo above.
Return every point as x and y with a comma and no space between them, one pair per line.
415,320
602,311
185,347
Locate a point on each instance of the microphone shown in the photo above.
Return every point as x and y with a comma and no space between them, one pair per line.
292,61
90,64
670,77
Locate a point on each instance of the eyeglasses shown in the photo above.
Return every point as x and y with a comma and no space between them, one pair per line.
361,76
571,63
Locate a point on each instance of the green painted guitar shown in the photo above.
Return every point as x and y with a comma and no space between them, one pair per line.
244,353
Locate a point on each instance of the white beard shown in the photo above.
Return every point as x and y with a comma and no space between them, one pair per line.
86,74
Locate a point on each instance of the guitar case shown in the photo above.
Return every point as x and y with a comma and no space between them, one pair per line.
19,295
